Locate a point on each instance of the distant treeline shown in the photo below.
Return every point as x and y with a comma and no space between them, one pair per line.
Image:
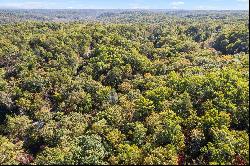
68,15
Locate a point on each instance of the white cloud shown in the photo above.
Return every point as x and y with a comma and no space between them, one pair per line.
245,1
201,7
243,4
26,5
138,6
177,4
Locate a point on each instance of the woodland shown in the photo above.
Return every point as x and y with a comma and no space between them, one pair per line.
124,87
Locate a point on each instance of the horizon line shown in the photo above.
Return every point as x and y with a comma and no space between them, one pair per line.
118,9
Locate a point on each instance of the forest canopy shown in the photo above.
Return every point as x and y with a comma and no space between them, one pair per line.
124,87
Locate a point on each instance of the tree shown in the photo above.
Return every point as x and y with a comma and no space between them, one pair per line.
162,156
165,129
91,150
9,152
127,154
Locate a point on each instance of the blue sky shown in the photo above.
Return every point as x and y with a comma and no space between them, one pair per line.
127,4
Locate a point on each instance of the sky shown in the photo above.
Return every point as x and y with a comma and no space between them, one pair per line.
127,4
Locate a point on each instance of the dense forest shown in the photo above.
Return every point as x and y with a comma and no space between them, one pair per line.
124,87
